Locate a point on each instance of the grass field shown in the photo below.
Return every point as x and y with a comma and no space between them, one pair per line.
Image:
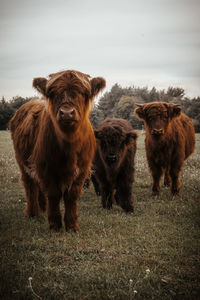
151,254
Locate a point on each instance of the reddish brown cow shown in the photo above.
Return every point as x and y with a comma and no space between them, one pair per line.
170,139
113,165
54,144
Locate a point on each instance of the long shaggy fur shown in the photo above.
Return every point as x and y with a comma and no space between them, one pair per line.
113,165
170,139
54,144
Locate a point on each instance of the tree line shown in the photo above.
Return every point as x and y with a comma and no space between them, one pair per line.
8,108
119,103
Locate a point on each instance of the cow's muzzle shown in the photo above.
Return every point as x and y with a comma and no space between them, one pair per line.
157,132
67,115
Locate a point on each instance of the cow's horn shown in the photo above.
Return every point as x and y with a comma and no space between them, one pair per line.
138,104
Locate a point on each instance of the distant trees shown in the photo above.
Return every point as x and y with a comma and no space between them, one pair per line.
175,92
18,101
125,108
8,108
6,112
119,103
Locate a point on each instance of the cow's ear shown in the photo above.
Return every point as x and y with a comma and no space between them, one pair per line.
174,110
97,84
130,135
40,85
139,112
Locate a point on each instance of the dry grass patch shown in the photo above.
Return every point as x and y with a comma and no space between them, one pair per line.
151,254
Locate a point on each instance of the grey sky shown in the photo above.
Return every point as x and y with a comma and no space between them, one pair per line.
140,43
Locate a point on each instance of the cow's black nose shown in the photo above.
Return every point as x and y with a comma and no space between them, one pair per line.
111,158
157,131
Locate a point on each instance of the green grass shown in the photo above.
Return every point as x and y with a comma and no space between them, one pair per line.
151,254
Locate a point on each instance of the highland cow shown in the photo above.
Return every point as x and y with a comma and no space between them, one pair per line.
54,144
170,139
113,164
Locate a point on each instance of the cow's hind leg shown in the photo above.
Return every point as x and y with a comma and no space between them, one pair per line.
167,179
96,185
32,193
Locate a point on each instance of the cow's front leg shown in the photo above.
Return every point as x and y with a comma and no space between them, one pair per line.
156,174
71,198
107,195
42,200
53,210
123,196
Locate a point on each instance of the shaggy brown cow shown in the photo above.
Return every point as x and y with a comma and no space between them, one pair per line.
54,144
170,139
113,163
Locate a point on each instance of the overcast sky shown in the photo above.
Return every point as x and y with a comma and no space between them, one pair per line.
131,42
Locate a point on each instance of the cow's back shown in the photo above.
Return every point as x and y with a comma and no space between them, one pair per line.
25,127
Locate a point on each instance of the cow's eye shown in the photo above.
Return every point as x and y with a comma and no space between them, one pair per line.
84,95
103,145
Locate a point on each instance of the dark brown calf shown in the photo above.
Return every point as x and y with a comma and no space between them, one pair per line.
113,165
170,139
54,144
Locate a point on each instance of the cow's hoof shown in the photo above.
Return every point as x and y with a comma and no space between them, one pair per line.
129,209
107,207
75,228
155,194
31,213
175,192
55,227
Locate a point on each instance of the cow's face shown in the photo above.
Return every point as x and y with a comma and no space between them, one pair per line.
69,95
157,116
112,143
69,109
